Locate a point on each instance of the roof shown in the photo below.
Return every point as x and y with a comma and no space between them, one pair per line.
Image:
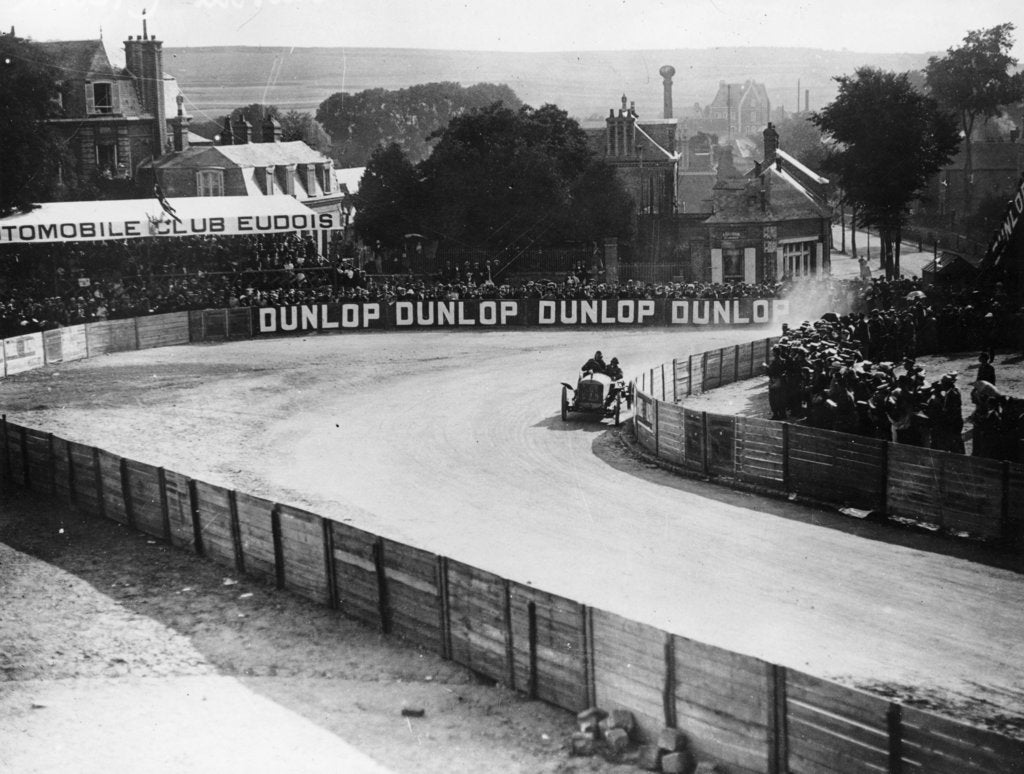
130,218
349,178
78,58
252,154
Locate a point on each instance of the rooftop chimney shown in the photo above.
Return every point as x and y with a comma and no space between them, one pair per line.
771,141
271,129
144,58
242,131
666,72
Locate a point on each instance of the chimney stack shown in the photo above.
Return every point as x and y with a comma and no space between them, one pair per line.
242,131
771,141
144,58
271,129
180,126
666,73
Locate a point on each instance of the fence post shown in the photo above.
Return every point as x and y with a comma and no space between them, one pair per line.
510,654
72,480
330,571
126,493
383,603
236,531
531,615
275,531
441,575
52,462
704,371
883,495
785,457
664,394
675,382
589,666
97,475
689,380
705,443
657,429
894,722
7,449
778,733
668,694
736,365
25,467
165,506
193,507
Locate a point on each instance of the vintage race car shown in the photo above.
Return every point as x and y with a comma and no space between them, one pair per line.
596,394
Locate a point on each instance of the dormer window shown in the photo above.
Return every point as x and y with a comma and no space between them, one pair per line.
210,182
99,97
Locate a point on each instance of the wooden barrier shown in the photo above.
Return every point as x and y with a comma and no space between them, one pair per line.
837,467
671,434
302,544
414,594
720,434
549,647
835,729
479,622
238,323
111,336
630,669
1013,492
748,715
759,457
145,498
256,535
724,703
696,440
213,512
956,492
112,491
163,330
180,516
937,745
358,592
83,470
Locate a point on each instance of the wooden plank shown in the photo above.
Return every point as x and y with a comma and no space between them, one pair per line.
302,550
145,497
163,330
256,533
179,511
413,593
808,755
214,515
974,749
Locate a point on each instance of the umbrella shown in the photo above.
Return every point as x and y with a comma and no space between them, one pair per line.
913,295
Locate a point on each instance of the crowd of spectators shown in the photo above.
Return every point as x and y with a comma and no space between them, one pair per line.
858,373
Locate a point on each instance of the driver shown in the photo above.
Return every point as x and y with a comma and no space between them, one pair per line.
596,364
613,370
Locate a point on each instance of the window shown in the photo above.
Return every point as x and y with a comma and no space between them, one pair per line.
106,159
325,176
798,259
732,264
210,182
102,98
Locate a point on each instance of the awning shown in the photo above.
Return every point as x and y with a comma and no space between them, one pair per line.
186,216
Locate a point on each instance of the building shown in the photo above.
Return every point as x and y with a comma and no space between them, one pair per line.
737,109
114,119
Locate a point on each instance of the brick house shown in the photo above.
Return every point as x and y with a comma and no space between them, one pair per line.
113,119
737,109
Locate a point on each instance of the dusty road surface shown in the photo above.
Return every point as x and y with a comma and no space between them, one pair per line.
452,442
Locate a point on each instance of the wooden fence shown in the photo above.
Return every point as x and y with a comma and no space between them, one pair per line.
748,715
963,495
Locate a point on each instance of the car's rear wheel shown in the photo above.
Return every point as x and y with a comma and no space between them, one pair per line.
565,404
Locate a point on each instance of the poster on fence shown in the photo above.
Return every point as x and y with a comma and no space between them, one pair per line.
23,353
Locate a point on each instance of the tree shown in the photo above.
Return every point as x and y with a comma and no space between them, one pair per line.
500,178
31,154
296,125
389,197
973,81
358,123
888,139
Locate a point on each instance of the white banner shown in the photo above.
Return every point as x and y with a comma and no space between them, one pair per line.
23,353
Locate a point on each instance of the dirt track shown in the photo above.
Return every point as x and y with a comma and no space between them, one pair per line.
452,442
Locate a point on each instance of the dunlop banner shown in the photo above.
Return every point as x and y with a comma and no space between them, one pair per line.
499,313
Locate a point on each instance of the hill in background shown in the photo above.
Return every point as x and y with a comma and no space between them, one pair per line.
586,84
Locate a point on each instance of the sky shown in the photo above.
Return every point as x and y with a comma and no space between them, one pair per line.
877,26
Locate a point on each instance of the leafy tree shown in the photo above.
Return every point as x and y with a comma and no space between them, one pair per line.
972,81
500,177
296,125
358,123
888,139
389,197
31,153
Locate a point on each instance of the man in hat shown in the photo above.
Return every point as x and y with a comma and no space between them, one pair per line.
948,422
596,364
